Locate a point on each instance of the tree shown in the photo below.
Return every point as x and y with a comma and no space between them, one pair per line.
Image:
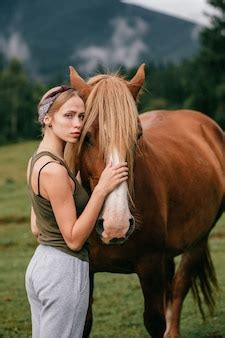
212,39
19,96
212,56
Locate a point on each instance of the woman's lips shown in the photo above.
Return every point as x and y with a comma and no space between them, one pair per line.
75,134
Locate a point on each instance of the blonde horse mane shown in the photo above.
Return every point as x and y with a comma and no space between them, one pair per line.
112,105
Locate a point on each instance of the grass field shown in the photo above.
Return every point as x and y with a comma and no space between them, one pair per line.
118,302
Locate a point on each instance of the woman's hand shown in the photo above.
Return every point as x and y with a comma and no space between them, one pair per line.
112,176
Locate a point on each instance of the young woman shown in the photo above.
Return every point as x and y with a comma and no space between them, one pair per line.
62,218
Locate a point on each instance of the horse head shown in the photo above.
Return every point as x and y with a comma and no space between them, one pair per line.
111,131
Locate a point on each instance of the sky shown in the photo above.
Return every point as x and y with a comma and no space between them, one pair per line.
188,9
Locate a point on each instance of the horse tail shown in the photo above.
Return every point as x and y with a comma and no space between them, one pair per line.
205,281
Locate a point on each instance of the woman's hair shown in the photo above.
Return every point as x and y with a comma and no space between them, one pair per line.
59,95
53,100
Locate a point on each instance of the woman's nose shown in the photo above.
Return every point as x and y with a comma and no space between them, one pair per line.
77,123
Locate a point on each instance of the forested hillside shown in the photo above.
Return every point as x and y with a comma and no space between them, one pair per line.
48,36
197,83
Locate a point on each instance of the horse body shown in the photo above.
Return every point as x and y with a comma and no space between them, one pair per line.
182,154
179,191
179,187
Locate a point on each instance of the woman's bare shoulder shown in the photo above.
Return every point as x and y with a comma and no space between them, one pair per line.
51,168
53,174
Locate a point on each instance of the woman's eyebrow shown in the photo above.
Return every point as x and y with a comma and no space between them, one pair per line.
74,111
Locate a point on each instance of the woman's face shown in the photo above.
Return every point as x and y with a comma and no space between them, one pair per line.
67,122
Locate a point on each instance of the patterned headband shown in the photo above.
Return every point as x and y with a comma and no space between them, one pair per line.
48,102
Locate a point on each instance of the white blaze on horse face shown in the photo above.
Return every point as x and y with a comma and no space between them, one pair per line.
116,214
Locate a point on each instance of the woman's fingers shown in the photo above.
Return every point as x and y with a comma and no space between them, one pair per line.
122,179
119,165
121,170
113,175
122,176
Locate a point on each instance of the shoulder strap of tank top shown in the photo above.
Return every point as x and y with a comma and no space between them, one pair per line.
39,175
36,156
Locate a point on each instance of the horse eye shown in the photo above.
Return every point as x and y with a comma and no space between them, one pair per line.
88,138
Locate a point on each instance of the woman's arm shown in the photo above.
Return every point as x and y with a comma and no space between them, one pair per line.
57,188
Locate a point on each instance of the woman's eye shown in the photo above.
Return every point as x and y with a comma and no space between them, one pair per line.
81,117
69,116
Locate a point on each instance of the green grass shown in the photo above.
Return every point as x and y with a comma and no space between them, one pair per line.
14,201
16,247
118,301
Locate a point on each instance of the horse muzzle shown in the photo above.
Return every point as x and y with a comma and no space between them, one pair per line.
114,240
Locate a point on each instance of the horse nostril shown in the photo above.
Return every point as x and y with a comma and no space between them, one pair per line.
132,222
121,240
99,226
115,240
131,228
129,232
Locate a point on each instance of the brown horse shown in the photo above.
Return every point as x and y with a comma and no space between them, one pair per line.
175,194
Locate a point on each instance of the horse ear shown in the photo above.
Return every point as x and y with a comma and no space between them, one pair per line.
79,84
137,81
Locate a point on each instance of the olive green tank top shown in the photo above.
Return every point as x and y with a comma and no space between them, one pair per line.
45,219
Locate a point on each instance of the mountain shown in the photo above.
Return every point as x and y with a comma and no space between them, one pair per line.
50,35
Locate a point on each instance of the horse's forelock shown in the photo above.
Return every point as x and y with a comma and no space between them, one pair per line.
112,105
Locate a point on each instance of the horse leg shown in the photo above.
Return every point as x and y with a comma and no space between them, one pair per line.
170,271
180,287
151,273
194,264
89,316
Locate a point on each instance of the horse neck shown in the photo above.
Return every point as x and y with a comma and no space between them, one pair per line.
146,160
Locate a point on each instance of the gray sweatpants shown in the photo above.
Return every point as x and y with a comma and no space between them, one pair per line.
57,286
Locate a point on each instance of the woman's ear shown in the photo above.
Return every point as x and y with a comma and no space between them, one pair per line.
48,121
